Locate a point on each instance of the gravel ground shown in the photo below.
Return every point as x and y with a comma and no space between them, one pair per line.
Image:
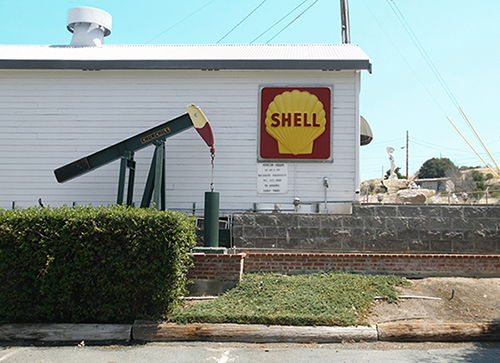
462,300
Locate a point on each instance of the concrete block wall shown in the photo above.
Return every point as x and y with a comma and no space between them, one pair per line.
376,228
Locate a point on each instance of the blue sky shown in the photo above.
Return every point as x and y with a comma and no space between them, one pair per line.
460,37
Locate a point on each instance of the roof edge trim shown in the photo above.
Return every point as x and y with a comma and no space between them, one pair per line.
279,64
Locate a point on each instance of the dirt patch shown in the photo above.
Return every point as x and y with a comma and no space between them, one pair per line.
463,300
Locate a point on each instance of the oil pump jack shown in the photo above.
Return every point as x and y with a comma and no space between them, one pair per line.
124,150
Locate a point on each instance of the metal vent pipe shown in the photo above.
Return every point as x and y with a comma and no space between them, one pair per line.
89,26
344,16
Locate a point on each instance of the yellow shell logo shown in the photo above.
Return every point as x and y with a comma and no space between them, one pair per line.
295,119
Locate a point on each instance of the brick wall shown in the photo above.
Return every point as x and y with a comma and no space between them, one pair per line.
229,268
435,229
217,267
410,265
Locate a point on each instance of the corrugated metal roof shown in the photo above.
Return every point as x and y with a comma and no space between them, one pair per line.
287,56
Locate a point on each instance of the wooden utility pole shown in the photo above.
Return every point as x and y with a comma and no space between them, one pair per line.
407,153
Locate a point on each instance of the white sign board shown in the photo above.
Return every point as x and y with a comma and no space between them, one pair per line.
272,178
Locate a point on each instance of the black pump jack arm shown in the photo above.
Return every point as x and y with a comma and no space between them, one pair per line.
123,148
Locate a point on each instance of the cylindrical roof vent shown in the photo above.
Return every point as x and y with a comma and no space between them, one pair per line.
89,26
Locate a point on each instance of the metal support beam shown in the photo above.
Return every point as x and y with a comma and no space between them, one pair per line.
150,181
155,183
121,180
131,180
126,162
159,181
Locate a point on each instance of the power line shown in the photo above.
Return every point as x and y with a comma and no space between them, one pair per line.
434,146
180,21
422,50
245,18
405,60
438,76
290,23
385,142
279,21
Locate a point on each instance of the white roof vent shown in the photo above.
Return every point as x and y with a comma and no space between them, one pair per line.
89,26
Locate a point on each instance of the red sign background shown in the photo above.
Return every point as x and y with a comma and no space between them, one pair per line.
269,146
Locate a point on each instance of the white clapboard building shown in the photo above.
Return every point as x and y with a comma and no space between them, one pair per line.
61,103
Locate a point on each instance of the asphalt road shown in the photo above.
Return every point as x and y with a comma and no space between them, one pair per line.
260,353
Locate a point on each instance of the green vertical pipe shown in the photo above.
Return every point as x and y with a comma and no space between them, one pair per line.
211,222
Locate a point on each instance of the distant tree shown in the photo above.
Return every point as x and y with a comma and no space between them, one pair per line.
371,187
494,191
436,168
396,171
462,181
465,167
466,183
479,180
489,176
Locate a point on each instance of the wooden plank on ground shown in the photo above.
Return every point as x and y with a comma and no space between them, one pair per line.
65,332
166,332
438,332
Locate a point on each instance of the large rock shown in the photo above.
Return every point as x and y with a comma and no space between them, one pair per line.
414,196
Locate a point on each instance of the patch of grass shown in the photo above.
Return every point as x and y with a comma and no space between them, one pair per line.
335,298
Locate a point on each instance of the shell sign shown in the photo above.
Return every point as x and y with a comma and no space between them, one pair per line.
295,123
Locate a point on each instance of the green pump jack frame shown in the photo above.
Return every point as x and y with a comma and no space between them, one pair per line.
155,183
124,150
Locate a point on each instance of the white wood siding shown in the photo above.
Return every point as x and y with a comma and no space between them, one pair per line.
51,118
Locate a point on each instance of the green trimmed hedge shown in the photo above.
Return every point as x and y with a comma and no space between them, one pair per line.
92,265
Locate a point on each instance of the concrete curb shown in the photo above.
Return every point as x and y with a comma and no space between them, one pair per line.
65,332
150,331
438,332
166,332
